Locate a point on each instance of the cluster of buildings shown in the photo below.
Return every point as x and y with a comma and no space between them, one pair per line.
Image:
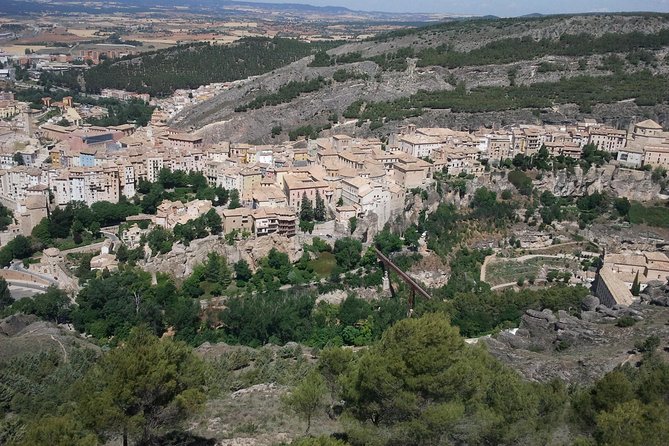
619,272
355,177
123,95
9,107
644,143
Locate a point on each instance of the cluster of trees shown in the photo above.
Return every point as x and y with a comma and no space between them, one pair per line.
182,186
6,217
81,223
141,392
510,50
311,212
54,305
119,112
308,131
646,88
392,61
161,72
342,75
160,240
418,384
285,93
543,160
279,317
406,390
122,112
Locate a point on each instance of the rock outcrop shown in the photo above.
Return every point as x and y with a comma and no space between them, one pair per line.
614,180
580,349
181,261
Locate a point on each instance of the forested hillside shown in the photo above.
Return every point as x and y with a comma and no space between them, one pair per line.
188,66
458,73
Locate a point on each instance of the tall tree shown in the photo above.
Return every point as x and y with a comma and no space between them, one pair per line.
636,286
234,199
308,397
319,210
5,296
306,209
242,271
141,387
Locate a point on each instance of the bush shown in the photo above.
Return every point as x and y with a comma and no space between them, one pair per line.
625,321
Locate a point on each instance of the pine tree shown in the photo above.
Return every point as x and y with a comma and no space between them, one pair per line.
5,296
636,286
234,199
306,209
319,211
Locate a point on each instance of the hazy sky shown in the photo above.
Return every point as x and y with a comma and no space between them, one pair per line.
495,7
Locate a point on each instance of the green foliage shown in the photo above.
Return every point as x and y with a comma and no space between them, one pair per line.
142,387
650,215
306,209
345,75
505,51
646,88
6,299
466,273
33,386
347,252
591,206
19,248
122,112
161,72
387,241
160,240
625,321
53,305
113,305
521,182
442,229
352,224
479,313
423,385
6,217
319,208
242,271
285,93
275,317
234,199
307,398
486,206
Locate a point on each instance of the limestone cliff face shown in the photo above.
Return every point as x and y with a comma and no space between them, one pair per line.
181,261
613,180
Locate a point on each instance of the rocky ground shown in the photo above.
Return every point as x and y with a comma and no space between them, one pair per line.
21,334
580,347
217,120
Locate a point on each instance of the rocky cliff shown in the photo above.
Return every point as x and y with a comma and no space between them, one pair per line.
616,181
217,120
181,261
575,349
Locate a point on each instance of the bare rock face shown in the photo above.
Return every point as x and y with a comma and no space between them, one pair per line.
181,261
614,180
550,345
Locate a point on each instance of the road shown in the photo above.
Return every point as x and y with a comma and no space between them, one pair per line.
18,266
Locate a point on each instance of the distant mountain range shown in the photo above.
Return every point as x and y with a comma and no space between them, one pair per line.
216,7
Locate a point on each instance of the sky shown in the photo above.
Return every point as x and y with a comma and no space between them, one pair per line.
503,8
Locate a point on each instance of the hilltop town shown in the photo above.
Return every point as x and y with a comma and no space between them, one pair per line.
222,232
352,181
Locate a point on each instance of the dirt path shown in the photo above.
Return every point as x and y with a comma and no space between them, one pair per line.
61,346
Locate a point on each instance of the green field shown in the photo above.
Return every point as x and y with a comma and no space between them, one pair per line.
502,271
324,264
652,215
